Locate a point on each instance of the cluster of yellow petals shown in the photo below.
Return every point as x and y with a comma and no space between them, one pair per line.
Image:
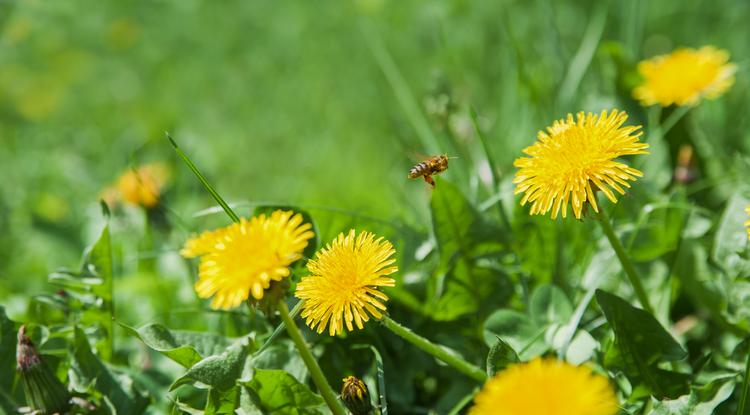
684,77
342,287
546,387
747,223
243,258
574,158
140,186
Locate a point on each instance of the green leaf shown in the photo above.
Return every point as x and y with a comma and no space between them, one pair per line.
184,347
222,402
730,239
549,304
8,341
659,234
641,342
282,354
499,357
700,401
278,392
517,330
461,233
87,372
219,371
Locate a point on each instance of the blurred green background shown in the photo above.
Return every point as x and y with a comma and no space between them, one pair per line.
321,103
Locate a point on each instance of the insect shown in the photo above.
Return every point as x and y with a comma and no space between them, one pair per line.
425,169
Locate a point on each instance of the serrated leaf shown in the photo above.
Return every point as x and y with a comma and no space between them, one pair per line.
701,401
499,357
87,371
218,371
184,347
278,392
641,341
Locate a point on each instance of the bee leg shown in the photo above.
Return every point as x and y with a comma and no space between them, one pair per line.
429,180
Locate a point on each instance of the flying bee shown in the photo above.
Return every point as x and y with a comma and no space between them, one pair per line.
433,165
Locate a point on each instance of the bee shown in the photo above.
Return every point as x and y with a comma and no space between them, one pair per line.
425,169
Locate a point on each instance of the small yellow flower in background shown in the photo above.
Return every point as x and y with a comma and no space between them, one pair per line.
344,281
141,186
571,156
545,387
684,77
747,223
243,258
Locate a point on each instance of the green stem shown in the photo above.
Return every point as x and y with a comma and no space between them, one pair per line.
436,350
745,387
627,264
312,365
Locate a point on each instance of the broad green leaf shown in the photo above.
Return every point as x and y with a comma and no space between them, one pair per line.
87,372
659,233
278,392
218,371
222,402
184,347
549,304
517,330
641,341
282,354
499,357
730,239
701,401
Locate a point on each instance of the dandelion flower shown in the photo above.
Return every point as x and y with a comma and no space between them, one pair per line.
243,258
545,387
684,77
343,285
574,158
142,186
747,223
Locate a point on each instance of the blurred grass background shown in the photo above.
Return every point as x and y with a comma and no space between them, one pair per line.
319,103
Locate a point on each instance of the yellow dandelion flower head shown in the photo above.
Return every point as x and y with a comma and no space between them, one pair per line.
342,287
747,223
684,77
142,186
546,387
575,157
243,258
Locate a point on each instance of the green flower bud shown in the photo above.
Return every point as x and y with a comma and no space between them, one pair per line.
44,391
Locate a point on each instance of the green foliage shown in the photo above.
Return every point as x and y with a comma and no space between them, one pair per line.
321,108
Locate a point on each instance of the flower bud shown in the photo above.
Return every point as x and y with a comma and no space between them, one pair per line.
44,391
356,397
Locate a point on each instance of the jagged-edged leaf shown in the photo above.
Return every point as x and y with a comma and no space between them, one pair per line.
278,392
641,342
184,347
88,372
701,401
218,371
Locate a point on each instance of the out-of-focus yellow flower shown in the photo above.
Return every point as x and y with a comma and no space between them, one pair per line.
343,286
243,258
684,77
142,186
576,157
545,387
747,223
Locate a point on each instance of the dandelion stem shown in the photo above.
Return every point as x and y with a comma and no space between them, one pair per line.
745,387
440,352
627,264
312,365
